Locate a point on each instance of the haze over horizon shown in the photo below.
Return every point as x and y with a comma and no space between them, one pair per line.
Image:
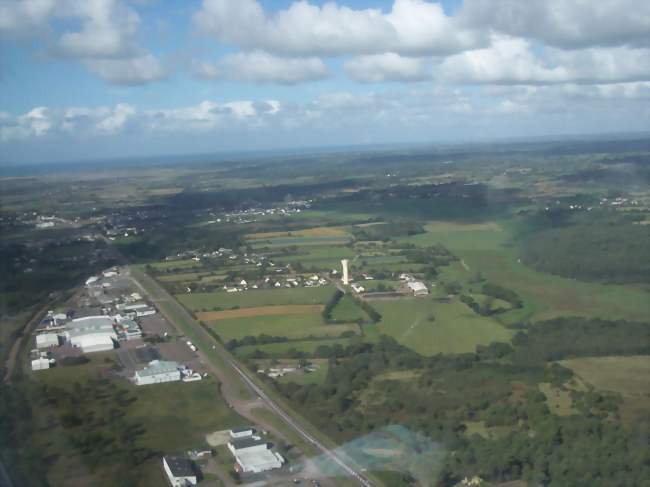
118,78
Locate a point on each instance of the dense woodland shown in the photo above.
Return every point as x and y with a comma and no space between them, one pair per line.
441,395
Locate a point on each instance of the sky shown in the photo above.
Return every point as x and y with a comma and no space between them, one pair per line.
101,79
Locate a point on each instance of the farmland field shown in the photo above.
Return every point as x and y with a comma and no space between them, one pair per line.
262,297
454,329
282,349
260,311
485,248
291,326
307,232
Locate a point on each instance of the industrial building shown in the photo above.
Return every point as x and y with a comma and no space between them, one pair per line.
41,363
254,456
245,432
127,329
180,471
417,288
92,333
46,340
156,372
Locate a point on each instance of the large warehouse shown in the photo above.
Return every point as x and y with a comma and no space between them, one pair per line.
254,456
92,333
156,372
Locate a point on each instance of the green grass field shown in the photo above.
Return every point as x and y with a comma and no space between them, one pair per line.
455,329
347,310
485,248
261,297
291,326
280,349
156,408
328,257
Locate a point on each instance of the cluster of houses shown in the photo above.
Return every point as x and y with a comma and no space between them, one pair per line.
268,282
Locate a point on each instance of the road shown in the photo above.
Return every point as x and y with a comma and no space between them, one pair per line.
161,294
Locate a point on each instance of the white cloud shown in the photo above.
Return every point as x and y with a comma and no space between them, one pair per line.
117,119
101,34
564,23
343,115
386,67
129,71
108,29
511,60
411,27
262,67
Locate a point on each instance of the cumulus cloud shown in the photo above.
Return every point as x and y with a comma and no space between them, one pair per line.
511,60
101,34
304,29
262,67
386,67
564,23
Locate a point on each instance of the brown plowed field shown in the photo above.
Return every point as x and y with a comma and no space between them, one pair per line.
296,309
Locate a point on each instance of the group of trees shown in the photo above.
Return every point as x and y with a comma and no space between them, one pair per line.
442,394
604,248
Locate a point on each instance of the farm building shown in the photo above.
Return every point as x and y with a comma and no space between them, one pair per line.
92,333
46,340
254,456
180,471
417,288
244,432
156,372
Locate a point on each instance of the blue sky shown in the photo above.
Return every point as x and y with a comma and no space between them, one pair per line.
119,78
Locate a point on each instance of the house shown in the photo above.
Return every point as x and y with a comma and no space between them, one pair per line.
180,471
417,288
243,432
156,372
243,283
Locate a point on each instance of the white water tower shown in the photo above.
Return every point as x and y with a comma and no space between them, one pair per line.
344,264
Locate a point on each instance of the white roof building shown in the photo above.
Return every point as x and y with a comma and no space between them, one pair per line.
253,455
40,364
92,333
45,340
418,288
157,372
244,432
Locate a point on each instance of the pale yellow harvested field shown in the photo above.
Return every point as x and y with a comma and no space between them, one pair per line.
440,226
296,309
307,232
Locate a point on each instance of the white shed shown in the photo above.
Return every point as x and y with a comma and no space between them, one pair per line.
46,340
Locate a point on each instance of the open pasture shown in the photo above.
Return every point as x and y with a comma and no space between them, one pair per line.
255,298
280,242
429,327
627,376
290,326
297,309
487,248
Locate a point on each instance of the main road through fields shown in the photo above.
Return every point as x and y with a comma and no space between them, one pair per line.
157,294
